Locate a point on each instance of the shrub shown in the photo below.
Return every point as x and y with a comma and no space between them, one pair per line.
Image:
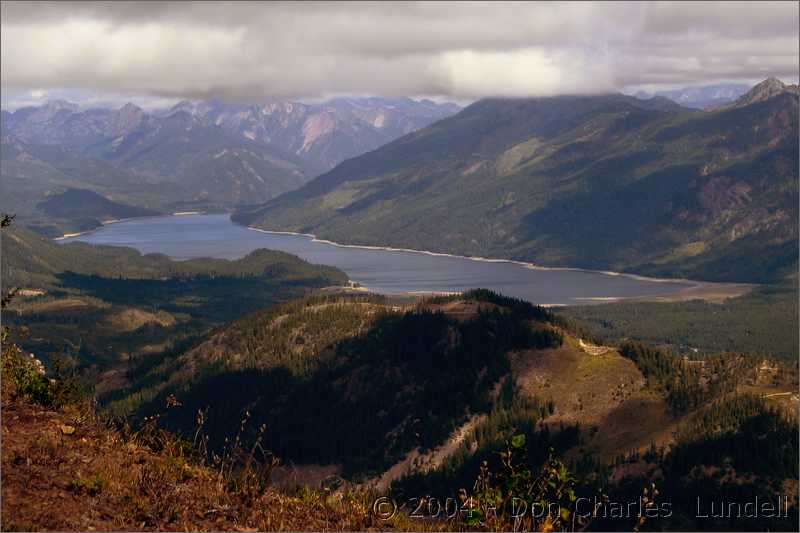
516,498
27,376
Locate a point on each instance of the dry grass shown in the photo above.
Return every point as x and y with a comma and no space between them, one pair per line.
598,389
132,318
59,305
68,471
584,387
462,310
93,478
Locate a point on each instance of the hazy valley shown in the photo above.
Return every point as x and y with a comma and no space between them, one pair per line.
193,156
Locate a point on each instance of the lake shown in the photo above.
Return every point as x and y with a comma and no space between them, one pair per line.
385,271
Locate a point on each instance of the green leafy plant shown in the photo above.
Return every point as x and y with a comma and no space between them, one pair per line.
516,497
86,485
28,377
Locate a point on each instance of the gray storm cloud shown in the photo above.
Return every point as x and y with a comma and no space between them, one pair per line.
454,50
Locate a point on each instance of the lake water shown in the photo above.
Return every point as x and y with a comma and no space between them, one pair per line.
386,271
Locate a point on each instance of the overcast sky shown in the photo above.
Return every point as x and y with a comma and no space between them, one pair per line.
159,52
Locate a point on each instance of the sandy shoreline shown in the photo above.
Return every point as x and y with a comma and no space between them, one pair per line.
102,224
117,220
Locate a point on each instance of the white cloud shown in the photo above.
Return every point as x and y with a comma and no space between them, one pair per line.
517,73
455,50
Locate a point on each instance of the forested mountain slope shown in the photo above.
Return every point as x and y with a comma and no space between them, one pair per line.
192,162
368,376
604,182
33,174
82,204
416,396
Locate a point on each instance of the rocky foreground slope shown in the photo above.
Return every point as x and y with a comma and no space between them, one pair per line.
67,471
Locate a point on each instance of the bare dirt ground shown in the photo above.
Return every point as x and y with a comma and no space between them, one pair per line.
593,349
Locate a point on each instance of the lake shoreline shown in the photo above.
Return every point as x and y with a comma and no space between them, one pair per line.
674,289
118,220
103,224
710,291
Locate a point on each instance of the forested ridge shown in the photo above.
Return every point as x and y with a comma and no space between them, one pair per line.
380,380
401,378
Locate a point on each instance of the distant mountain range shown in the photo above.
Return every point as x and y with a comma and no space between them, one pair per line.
314,138
604,182
702,97
207,154
320,135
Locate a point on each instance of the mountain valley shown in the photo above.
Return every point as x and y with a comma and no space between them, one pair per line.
268,392
203,155
655,189
399,266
